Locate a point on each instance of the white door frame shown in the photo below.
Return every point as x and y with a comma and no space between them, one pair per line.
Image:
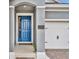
24,14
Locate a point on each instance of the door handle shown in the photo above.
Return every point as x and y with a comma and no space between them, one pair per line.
57,37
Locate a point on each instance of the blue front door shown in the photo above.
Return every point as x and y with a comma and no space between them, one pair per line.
24,29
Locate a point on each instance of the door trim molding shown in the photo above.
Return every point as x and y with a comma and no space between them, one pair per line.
24,14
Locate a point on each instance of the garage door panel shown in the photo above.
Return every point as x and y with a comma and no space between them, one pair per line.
56,35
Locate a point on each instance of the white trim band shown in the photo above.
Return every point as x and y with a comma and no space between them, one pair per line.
40,6
56,9
49,20
57,6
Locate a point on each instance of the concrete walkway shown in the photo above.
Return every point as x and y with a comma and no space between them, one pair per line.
58,53
24,52
24,48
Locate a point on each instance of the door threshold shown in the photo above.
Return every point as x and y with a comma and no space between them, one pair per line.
23,58
24,43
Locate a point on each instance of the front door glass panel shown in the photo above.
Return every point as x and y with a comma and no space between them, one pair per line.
24,28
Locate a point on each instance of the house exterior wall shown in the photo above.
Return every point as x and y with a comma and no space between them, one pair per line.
40,16
39,21
34,2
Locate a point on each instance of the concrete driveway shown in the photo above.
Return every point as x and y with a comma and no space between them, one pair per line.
58,53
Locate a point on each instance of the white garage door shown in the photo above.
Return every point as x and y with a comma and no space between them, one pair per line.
56,35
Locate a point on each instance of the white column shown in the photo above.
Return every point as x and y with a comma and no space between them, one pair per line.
12,55
40,33
11,27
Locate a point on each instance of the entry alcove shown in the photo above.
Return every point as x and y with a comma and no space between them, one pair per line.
25,24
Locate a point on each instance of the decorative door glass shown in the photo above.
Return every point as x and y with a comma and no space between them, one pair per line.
24,28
